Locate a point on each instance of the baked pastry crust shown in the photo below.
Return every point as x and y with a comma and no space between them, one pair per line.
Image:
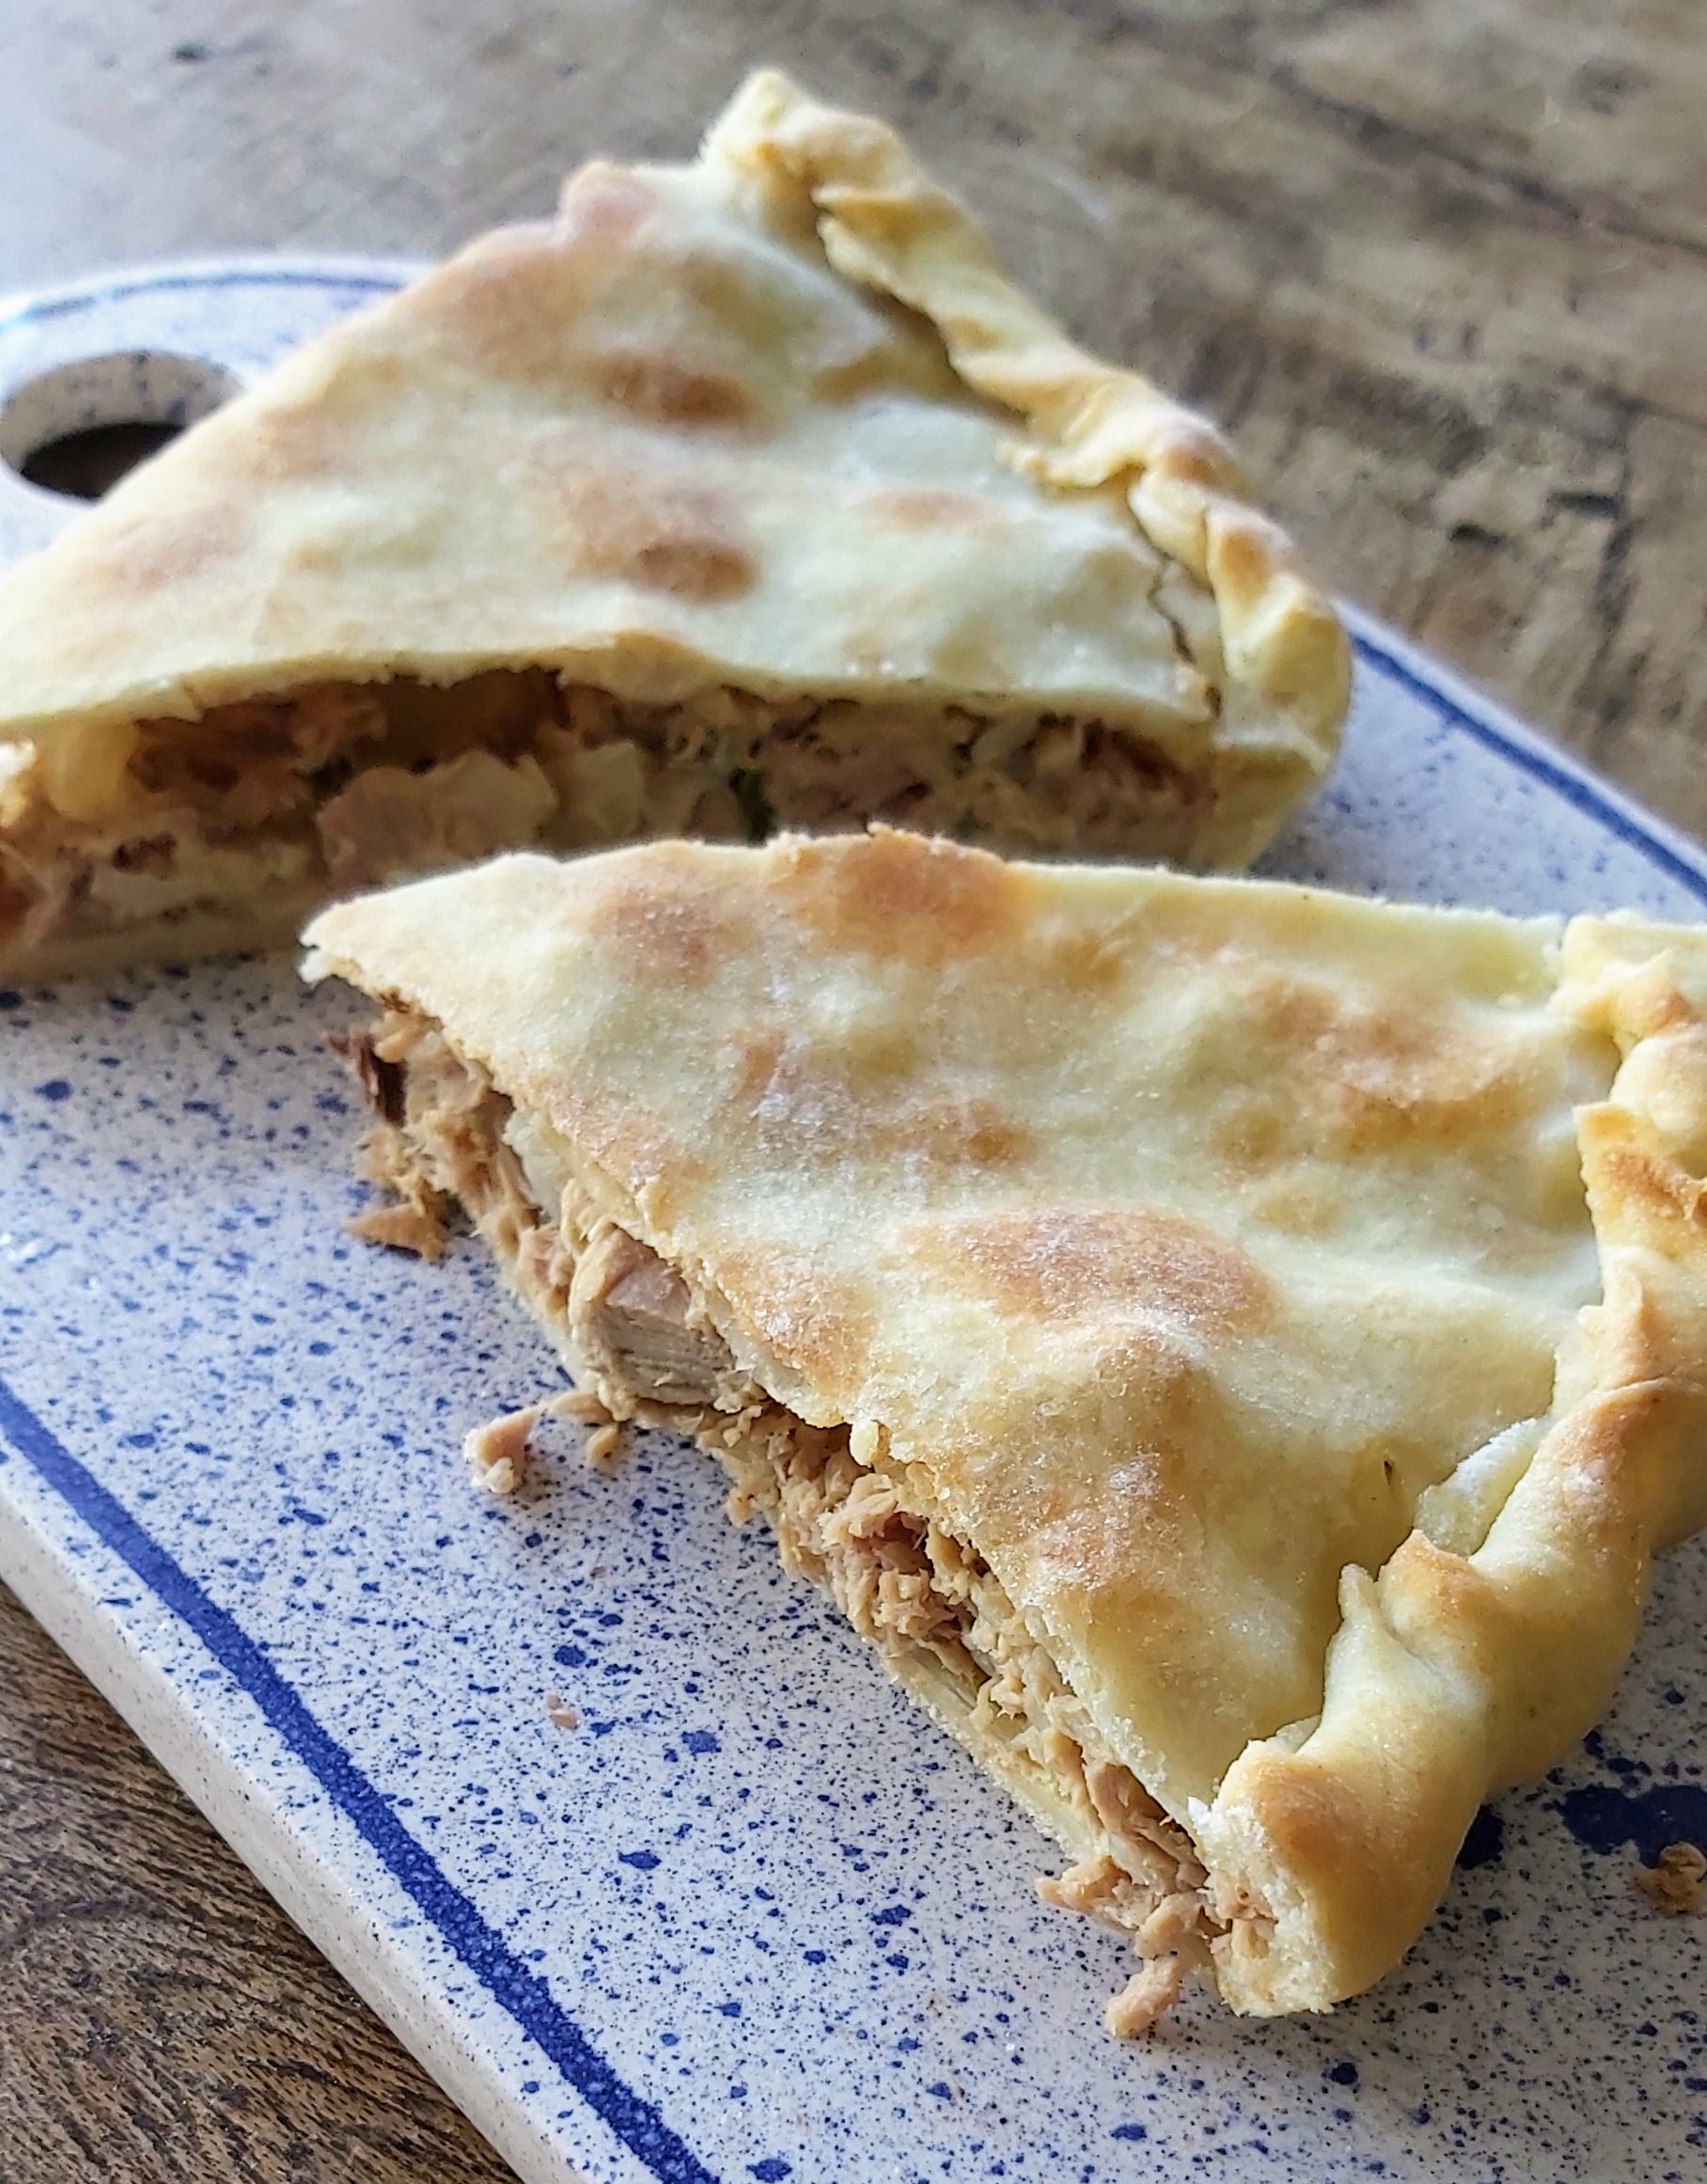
886,223
1298,1304
768,425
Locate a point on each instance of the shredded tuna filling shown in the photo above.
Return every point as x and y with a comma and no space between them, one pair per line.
335,787
922,1595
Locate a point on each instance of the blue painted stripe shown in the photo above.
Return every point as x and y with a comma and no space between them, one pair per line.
1578,790
276,277
494,1963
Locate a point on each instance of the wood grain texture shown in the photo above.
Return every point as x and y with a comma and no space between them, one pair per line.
161,2022
1439,265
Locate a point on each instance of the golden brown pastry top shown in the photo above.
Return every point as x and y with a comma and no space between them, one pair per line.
1214,1255
1176,1236
776,418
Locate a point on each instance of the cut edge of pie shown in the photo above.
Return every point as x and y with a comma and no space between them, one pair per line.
238,753
1474,1657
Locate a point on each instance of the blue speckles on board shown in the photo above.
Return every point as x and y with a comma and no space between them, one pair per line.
681,1887
1485,1842
1607,1816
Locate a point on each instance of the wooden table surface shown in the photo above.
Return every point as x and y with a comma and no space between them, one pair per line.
1441,266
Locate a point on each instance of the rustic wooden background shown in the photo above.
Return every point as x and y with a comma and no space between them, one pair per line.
1440,265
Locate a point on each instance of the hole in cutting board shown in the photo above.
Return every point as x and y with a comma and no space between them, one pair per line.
77,429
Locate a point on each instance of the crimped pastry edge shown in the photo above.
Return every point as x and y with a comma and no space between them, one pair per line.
885,222
1454,1676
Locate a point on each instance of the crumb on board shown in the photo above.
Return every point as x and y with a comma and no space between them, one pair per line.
497,1453
560,1713
1146,1998
401,1228
1675,1882
604,1444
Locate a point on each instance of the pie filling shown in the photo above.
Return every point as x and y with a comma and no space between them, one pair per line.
444,1141
273,803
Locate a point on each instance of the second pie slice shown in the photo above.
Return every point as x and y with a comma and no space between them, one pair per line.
1234,1348
743,492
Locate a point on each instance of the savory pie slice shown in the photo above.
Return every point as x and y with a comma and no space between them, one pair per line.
743,492
1233,1347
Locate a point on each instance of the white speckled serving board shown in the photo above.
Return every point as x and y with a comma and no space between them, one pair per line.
755,1918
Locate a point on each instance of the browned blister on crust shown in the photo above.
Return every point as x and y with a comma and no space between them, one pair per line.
743,494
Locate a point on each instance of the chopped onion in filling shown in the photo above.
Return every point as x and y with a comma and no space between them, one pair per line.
334,787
